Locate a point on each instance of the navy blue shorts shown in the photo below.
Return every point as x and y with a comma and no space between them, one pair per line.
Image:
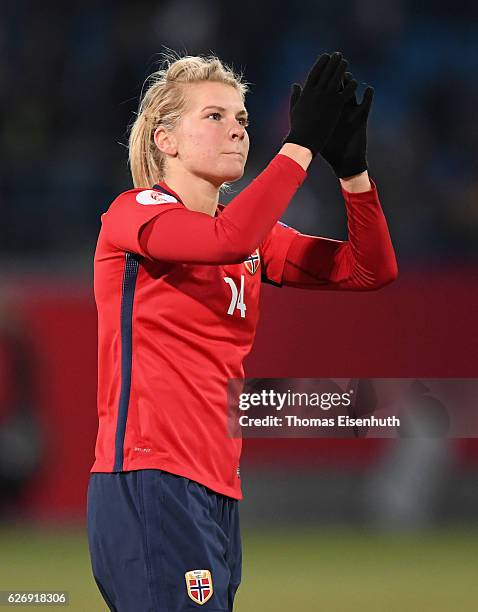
162,543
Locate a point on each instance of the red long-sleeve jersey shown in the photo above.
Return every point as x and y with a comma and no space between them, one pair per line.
178,304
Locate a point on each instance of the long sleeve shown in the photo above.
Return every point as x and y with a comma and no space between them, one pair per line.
365,261
187,236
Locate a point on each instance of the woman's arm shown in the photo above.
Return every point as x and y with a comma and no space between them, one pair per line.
186,236
365,261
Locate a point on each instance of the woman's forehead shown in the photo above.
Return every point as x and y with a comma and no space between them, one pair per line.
210,93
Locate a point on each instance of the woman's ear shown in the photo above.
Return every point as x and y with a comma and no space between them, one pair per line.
165,141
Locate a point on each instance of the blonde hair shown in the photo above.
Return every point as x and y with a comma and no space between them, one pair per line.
162,104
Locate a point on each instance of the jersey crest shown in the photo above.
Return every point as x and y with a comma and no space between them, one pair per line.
199,585
253,262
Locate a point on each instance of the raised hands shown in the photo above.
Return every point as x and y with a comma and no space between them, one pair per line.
315,110
346,148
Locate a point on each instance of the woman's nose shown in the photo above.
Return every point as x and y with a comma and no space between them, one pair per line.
237,132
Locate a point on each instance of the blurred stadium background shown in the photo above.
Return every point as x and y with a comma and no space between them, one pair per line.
339,524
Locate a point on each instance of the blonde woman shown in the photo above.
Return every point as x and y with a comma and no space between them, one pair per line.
178,302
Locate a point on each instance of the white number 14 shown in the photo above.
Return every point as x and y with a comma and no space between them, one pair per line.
237,298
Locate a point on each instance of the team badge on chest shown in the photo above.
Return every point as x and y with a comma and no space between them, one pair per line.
199,585
252,262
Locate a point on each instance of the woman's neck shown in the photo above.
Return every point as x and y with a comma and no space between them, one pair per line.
196,193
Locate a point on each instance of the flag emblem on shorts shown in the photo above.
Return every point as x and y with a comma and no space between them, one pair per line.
199,584
252,262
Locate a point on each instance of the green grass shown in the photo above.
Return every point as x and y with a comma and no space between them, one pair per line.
49,559
334,570
341,571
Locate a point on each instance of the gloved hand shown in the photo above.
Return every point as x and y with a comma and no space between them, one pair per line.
315,109
346,149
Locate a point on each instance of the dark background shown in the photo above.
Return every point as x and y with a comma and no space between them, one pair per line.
71,74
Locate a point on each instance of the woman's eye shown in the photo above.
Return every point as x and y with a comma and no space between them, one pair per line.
217,117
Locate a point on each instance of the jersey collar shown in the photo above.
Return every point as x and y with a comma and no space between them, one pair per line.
161,186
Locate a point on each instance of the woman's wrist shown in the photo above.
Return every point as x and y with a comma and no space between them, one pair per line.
298,153
356,184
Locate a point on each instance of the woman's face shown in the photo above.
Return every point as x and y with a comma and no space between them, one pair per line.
211,138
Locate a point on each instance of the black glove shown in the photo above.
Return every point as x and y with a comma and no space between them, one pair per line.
315,110
346,149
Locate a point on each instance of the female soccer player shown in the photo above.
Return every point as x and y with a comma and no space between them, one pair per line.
177,297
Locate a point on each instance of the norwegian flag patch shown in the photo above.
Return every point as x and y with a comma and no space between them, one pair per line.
199,585
252,262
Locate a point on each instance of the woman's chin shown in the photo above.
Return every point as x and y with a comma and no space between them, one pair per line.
233,174
230,177
233,177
